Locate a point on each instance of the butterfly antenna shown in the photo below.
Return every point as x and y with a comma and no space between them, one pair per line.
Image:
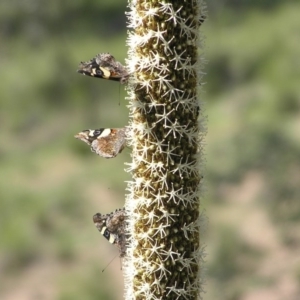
121,263
108,264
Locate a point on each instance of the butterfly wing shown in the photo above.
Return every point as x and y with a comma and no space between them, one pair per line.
112,227
110,143
105,142
104,65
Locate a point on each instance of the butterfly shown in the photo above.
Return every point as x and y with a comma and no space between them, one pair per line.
106,142
112,226
104,65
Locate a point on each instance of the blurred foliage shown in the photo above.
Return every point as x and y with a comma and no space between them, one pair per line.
51,184
258,87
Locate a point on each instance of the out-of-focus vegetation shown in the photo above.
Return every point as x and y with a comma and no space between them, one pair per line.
51,184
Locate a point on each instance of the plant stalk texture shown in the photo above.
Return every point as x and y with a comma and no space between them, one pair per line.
164,255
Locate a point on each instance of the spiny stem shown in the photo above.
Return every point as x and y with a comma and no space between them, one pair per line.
164,252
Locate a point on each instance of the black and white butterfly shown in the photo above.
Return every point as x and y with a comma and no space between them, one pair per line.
104,65
106,142
113,227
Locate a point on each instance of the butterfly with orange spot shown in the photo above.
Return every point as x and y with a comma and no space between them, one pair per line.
106,142
104,65
112,227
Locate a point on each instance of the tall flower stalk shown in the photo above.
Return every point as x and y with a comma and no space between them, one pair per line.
164,255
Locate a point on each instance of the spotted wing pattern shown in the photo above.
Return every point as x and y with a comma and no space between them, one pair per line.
106,142
112,227
104,65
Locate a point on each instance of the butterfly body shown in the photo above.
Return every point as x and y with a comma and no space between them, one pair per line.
104,65
112,227
106,142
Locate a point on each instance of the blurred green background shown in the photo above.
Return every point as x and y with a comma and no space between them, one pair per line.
51,184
